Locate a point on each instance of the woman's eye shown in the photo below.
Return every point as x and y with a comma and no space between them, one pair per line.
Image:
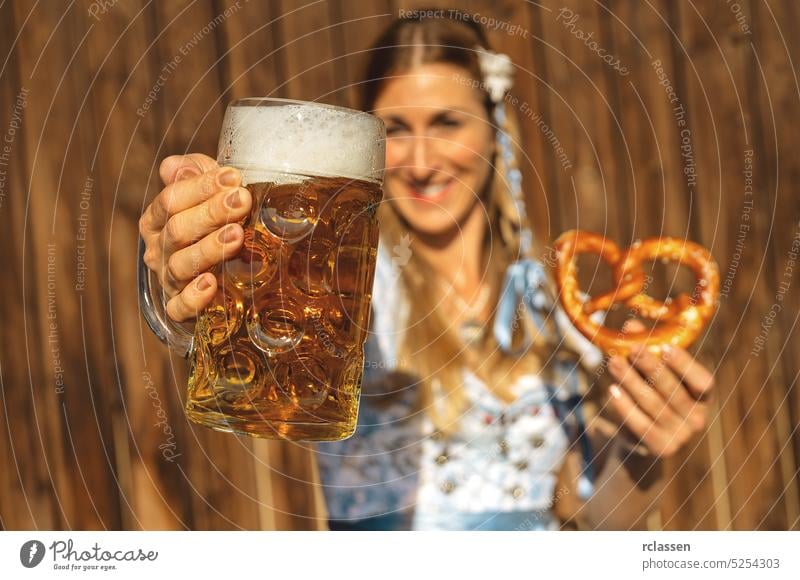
450,123
394,129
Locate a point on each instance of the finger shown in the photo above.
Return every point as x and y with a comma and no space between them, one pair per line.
184,265
694,375
643,394
171,167
186,193
188,226
667,383
192,299
639,423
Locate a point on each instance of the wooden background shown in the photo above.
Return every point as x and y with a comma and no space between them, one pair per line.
91,402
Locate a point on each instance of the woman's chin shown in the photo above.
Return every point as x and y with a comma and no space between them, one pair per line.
434,225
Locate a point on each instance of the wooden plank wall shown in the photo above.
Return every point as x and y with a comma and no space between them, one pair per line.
94,94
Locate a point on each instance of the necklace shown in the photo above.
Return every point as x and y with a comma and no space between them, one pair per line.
471,327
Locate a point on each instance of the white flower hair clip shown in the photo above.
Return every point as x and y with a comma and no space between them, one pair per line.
496,69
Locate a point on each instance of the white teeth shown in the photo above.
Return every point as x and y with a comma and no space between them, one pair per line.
434,189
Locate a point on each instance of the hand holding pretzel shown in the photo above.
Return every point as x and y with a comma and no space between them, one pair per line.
679,321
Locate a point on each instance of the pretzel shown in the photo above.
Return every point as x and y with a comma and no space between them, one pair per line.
678,321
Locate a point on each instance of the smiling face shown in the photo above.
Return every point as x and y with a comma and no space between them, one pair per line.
439,146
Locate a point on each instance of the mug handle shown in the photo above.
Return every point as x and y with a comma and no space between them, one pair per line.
171,333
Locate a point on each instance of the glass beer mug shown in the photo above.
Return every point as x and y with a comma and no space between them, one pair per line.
279,352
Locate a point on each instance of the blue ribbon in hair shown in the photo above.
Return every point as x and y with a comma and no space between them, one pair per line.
524,288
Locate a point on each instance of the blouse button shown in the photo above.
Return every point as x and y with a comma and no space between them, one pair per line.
537,441
516,492
447,486
502,447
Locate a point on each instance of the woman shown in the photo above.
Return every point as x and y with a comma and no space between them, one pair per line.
468,417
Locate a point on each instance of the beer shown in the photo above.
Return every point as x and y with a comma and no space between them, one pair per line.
279,352
281,345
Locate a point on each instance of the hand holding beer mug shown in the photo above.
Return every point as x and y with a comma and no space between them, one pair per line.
278,352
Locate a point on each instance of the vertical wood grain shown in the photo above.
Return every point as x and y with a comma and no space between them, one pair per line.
97,121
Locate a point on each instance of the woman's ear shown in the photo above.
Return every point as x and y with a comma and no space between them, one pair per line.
495,154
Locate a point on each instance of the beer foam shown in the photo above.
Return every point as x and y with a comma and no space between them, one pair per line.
265,142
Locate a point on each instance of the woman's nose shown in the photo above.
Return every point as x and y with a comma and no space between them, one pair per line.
420,164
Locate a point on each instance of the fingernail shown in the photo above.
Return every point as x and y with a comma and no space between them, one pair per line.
203,283
234,200
228,234
666,350
185,172
228,178
615,392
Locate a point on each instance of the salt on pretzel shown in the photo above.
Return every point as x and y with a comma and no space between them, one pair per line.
678,321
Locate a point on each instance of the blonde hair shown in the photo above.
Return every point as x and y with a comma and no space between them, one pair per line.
430,349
